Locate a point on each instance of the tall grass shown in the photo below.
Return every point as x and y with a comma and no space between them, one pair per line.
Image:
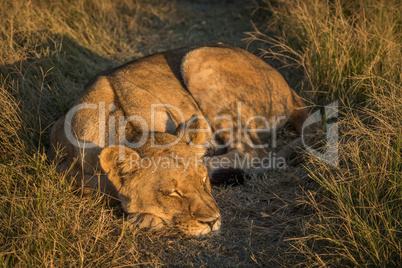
48,51
349,51
343,50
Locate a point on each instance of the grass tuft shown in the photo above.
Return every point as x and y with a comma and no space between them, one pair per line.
350,52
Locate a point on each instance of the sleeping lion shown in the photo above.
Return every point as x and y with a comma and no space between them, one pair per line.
155,132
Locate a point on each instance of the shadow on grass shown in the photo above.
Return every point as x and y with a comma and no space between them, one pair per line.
45,84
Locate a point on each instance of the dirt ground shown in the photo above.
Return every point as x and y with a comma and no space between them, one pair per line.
260,217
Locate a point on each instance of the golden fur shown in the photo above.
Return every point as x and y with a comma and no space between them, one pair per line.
204,83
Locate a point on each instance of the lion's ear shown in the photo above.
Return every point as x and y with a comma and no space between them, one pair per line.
116,161
195,131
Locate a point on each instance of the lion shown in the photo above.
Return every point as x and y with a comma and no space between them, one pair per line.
155,132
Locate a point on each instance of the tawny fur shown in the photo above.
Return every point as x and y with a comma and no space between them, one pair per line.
203,82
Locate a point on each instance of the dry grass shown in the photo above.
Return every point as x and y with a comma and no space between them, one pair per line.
50,49
350,52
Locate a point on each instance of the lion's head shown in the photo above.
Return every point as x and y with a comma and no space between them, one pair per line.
163,186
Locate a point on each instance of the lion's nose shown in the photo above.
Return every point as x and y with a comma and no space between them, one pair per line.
210,223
